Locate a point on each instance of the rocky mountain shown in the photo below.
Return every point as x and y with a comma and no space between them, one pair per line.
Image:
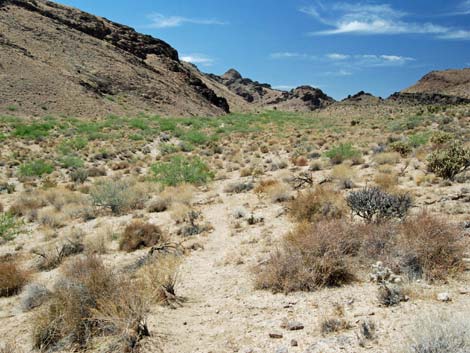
56,59
447,83
263,96
362,98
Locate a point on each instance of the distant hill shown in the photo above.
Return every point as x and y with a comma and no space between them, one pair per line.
263,96
56,59
449,82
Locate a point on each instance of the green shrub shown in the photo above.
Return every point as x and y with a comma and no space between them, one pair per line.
36,168
33,131
196,137
181,169
342,152
71,162
449,162
117,195
10,227
417,140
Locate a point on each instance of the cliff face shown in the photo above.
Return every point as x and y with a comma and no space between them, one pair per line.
59,60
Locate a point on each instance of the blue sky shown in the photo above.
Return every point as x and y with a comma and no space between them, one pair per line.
340,46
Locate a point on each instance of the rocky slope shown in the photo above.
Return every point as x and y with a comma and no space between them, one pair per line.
448,83
263,96
59,60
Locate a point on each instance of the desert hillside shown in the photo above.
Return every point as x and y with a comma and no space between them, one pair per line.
58,60
448,82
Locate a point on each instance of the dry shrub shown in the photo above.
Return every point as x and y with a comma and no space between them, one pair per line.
430,246
157,279
159,204
320,203
89,301
27,203
139,234
182,194
391,158
334,325
12,278
52,218
1,207
444,332
386,181
265,185
312,256
300,161
344,175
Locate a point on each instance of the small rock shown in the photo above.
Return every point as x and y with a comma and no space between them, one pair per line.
282,350
295,326
444,297
294,343
464,290
275,335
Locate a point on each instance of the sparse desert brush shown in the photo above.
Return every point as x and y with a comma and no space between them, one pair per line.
158,278
333,324
53,255
300,161
440,138
311,257
12,277
390,158
238,187
320,203
33,296
10,227
344,174
181,194
27,203
443,332
118,195
139,234
450,161
182,169
89,301
431,247
265,185
52,218
159,204
281,193
387,182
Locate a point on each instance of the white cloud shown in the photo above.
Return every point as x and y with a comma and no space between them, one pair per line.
162,21
336,56
198,59
369,19
285,55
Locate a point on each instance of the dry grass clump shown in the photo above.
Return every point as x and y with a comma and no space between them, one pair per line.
386,181
320,203
12,277
265,185
390,158
440,333
27,203
158,278
53,255
334,325
90,301
430,247
139,234
312,256
344,175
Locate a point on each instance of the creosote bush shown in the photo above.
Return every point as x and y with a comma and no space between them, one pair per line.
448,162
375,204
89,301
139,234
180,170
